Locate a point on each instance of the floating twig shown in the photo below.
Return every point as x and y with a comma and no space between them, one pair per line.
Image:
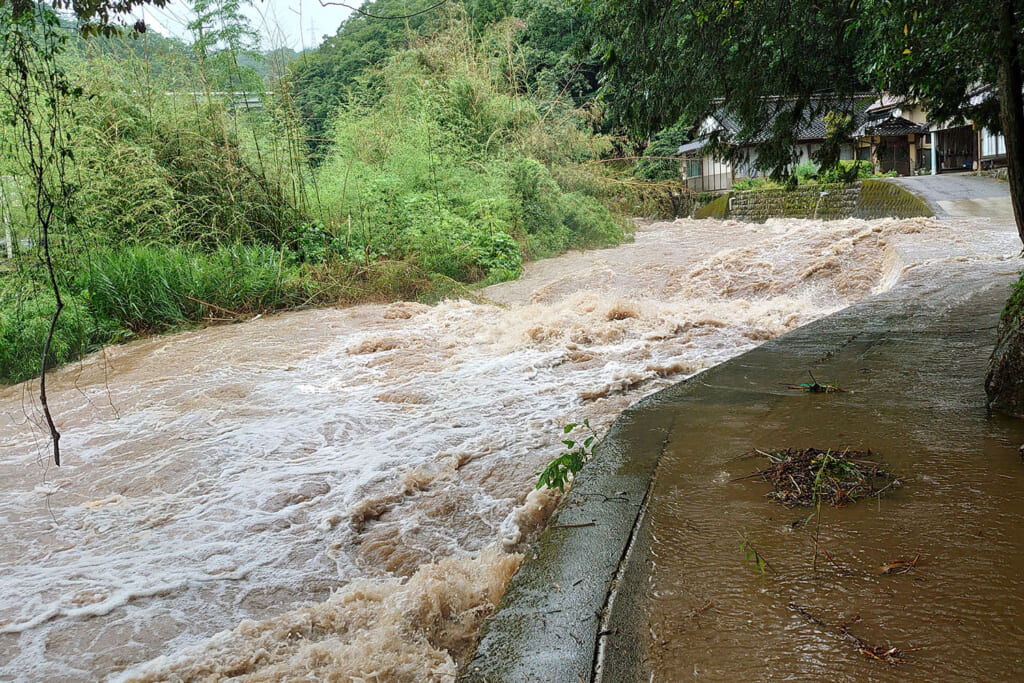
701,610
892,656
899,566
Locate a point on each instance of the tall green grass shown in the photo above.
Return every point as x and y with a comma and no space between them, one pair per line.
153,289
118,294
24,323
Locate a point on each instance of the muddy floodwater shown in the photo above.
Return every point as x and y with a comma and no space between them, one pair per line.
345,492
923,582
958,614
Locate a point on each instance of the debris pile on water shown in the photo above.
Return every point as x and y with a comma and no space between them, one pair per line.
815,387
809,476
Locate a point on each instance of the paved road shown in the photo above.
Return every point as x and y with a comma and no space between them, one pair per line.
961,194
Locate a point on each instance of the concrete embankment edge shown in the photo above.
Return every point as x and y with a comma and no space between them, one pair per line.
864,199
549,625
546,627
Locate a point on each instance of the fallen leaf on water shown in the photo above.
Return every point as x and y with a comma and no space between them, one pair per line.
899,566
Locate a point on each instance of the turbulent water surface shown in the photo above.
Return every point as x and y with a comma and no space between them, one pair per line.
342,493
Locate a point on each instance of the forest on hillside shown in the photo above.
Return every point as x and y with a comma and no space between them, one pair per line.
171,183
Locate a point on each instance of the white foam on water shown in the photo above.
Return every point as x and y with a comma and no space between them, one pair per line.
280,482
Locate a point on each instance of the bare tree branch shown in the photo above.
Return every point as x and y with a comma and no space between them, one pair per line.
327,3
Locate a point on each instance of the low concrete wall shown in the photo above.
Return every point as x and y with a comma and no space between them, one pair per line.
997,173
865,199
548,625
881,199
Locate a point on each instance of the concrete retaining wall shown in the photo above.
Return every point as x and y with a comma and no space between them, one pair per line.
997,173
826,202
865,199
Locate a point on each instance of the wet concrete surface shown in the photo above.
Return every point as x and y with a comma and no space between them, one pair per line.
961,195
579,608
547,624
913,363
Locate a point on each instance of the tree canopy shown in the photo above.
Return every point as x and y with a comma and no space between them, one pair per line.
105,17
943,52
770,64
324,78
773,64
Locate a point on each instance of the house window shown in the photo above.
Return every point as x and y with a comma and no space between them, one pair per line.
693,168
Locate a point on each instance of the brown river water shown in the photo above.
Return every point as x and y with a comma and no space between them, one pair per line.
343,494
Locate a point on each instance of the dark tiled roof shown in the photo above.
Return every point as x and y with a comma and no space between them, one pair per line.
694,146
893,125
815,129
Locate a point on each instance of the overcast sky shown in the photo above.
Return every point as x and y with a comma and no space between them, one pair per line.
297,24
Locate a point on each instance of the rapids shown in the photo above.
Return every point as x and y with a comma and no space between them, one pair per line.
343,493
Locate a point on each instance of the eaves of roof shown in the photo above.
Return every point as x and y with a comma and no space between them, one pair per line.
895,125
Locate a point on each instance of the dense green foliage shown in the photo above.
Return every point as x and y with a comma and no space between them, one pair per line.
445,168
333,74
810,173
450,147
578,451
539,45
660,160
848,172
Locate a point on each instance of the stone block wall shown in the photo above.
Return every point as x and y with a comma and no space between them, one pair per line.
866,199
826,202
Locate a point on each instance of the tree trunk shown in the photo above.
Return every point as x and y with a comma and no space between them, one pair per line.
1011,106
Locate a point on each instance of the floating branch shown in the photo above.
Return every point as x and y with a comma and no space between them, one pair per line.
815,387
880,653
899,566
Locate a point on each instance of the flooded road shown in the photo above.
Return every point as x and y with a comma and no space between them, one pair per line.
826,603
344,492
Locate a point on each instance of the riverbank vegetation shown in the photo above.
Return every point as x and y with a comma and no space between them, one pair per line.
215,180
